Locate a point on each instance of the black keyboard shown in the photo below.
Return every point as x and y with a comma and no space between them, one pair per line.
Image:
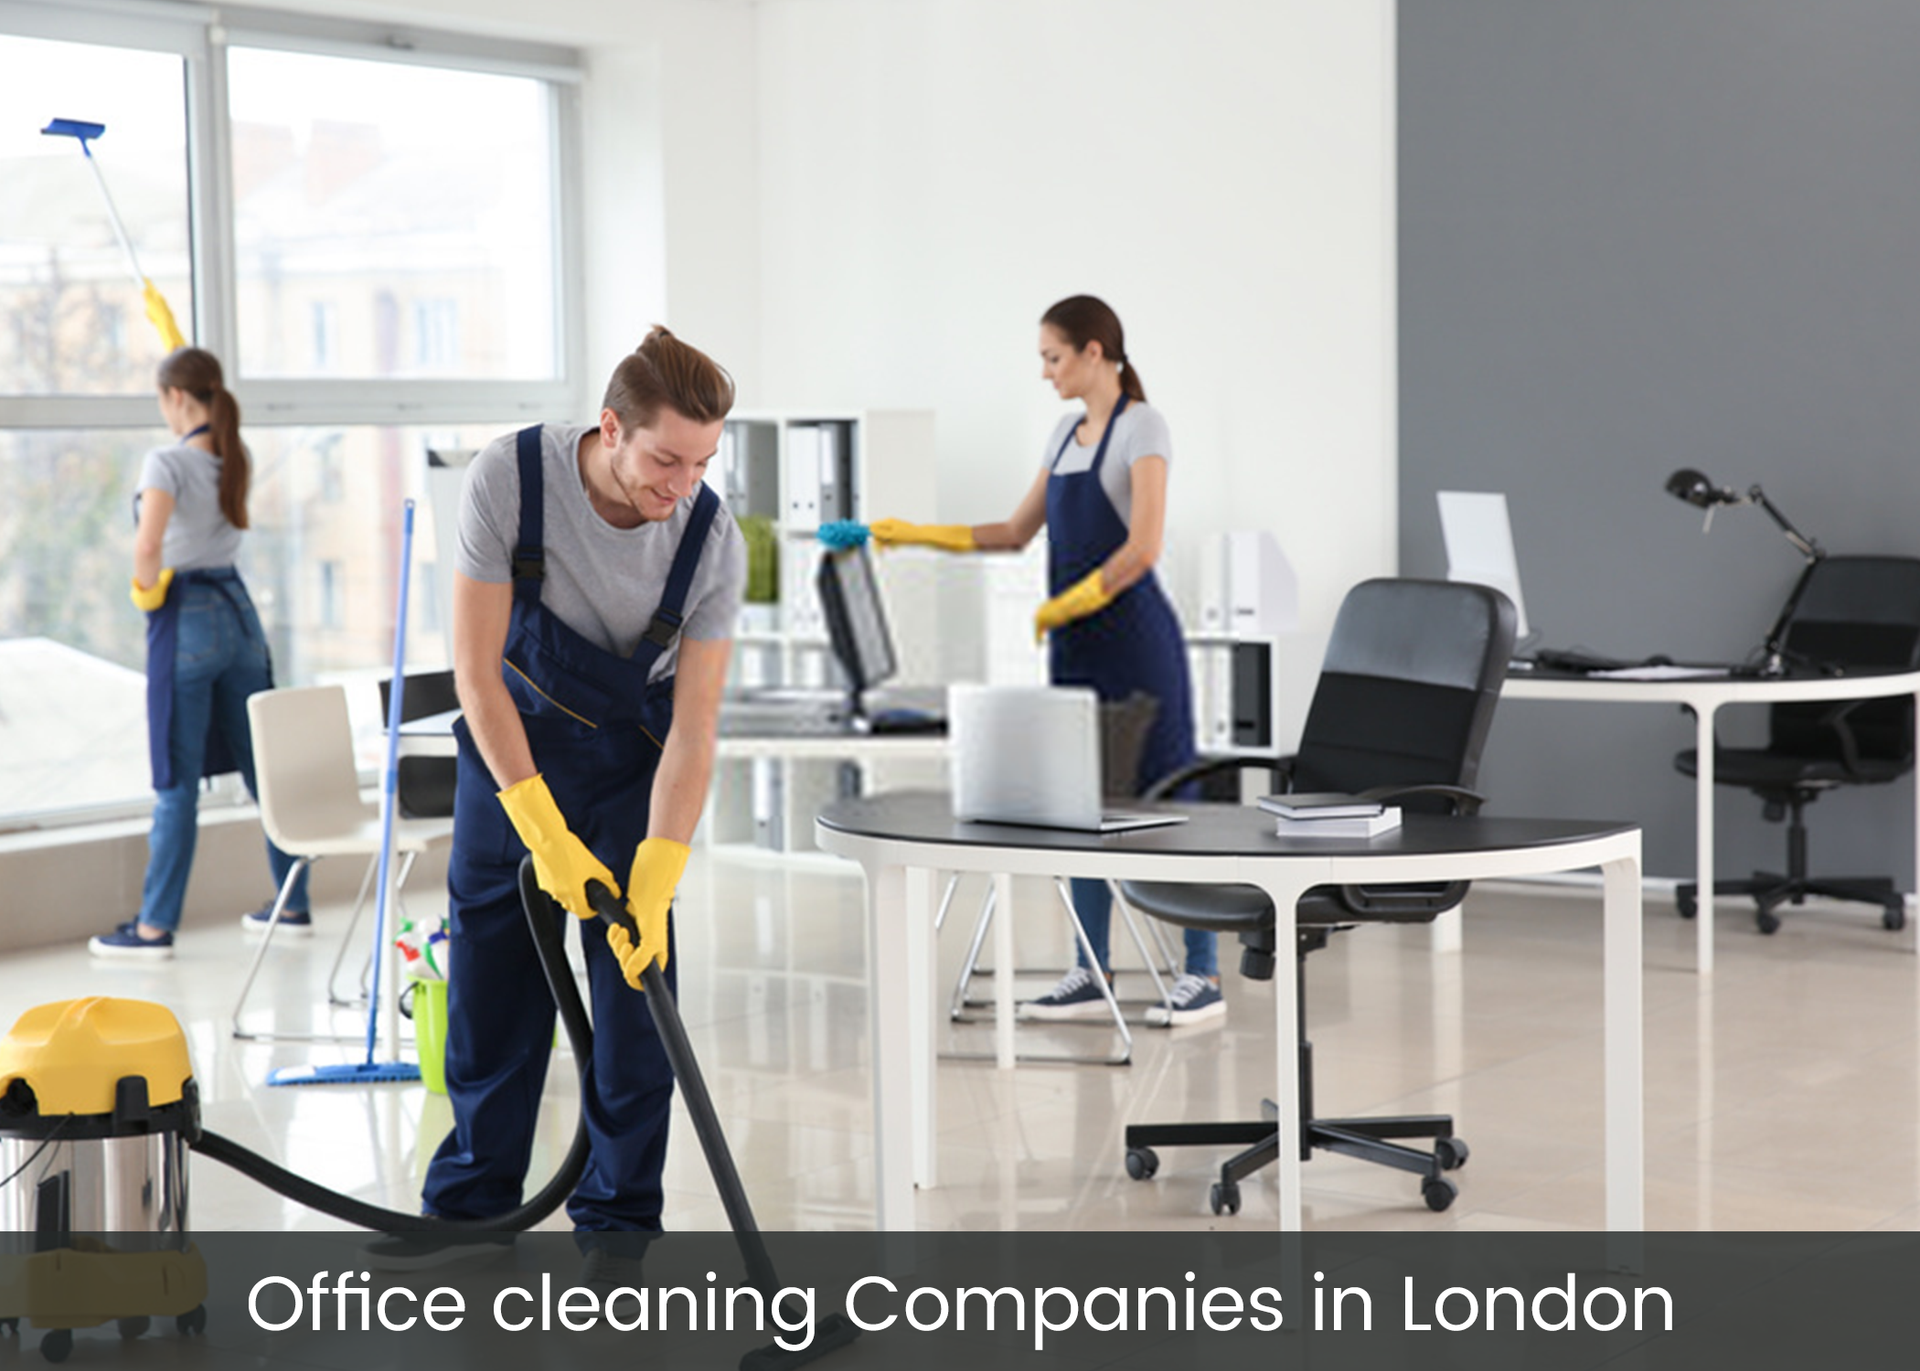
1580,663
905,721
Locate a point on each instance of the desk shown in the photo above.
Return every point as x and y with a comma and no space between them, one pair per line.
905,838
756,733
1705,696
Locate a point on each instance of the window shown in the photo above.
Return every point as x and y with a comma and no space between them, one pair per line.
326,336
376,181
366,233
66,288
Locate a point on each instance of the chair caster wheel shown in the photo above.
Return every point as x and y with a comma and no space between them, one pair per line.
1225,1197
1893,920
1142,1163
131,1328
193,1321
1686,903
57,1345
1438,1194
1451,1153
1767,923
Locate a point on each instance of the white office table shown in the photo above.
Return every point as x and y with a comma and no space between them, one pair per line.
1705,696
904,839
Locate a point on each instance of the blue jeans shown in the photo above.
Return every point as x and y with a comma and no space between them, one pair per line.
1093,901
220,659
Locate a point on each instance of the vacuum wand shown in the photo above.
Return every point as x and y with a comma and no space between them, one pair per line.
673,1036
833,1331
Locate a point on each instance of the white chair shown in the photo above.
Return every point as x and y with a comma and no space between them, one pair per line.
311,807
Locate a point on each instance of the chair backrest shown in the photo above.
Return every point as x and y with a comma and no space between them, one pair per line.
1861,612
303,764
1408,686
427,692
424,786
1124,725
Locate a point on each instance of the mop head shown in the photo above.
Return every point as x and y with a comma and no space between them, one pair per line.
354,1073
843,533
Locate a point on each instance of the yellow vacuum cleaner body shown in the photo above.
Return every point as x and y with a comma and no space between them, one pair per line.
98,1108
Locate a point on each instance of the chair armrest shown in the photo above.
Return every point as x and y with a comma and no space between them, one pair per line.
1462,800
1281,769
1835,719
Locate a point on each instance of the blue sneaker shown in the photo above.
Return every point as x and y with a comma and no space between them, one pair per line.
1076,997
292,924
1193,999
126,943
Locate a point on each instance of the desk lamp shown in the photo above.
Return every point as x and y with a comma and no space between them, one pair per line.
1693,487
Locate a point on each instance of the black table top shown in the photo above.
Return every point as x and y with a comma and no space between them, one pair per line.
1214,830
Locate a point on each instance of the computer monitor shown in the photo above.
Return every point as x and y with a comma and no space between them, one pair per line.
856,622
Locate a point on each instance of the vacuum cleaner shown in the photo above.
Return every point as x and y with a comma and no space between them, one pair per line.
99,1111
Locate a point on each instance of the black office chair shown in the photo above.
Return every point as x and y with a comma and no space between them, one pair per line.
424,786
1854,613
1405,699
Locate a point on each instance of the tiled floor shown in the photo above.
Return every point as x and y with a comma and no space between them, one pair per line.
1785,1095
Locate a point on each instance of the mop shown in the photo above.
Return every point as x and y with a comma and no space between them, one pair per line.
354,1073
83,132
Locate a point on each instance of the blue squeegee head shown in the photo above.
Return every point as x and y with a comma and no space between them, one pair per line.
75,128
843,533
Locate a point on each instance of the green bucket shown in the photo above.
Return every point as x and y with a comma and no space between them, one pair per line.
430,1032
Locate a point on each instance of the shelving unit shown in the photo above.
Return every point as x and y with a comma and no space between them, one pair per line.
797,470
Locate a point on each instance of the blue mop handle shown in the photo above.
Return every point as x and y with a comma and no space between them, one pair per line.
389,794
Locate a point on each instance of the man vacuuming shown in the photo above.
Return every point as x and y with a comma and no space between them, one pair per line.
597,585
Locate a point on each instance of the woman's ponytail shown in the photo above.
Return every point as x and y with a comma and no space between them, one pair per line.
224,429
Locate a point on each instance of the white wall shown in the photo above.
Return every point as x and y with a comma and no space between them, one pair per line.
933,174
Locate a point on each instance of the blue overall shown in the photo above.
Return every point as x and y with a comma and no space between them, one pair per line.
206,653
596,727
1134,644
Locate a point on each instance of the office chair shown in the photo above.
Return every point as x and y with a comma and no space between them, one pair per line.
1853,613
1405,700
311,806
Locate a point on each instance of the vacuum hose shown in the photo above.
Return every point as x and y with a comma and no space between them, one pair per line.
550,945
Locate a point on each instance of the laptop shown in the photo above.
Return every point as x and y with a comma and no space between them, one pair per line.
1031,755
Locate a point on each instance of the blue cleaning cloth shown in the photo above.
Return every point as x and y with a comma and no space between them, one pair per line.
843,533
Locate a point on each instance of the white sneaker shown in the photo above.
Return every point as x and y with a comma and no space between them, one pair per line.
1193,999
1076,997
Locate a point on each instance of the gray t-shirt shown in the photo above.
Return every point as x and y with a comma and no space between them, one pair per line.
603,582
1140,432
198,535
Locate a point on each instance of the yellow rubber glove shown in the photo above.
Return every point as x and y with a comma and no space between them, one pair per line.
657,864
1088,595
150,598
162,317
561,862
946,537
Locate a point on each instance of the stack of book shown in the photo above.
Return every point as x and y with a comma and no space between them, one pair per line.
1326,815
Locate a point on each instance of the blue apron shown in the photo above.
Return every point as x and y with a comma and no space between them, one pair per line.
163,634
1135,643
596,727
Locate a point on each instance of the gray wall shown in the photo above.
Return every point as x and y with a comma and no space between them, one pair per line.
1637,235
